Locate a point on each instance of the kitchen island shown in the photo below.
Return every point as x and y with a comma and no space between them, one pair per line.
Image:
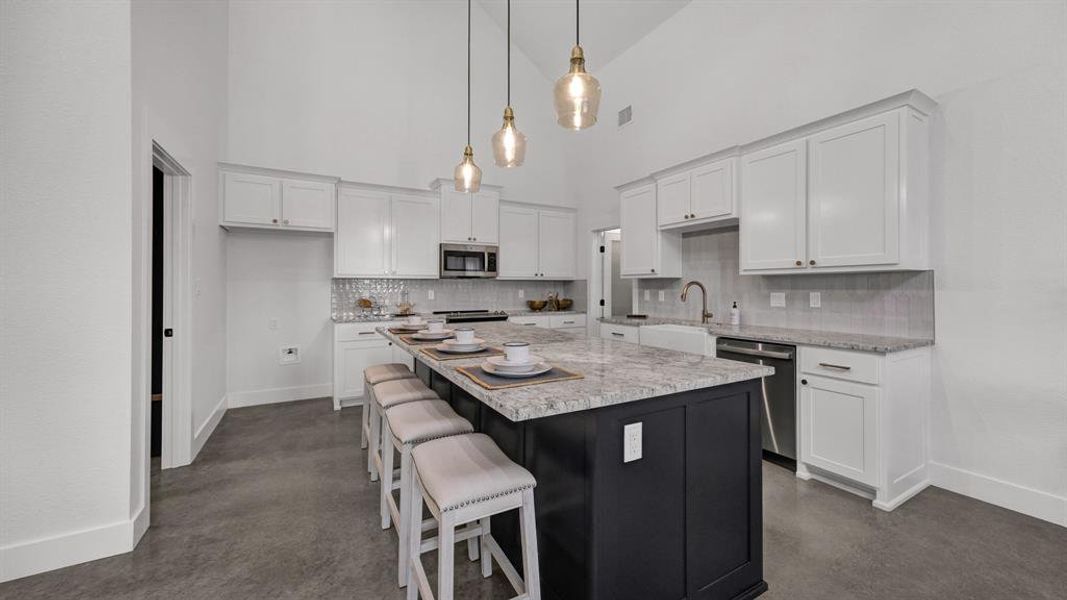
682,521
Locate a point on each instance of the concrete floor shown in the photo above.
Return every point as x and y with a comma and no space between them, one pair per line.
278,506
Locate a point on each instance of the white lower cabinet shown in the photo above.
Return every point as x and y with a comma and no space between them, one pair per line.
572,322
863,421
622,333
356,347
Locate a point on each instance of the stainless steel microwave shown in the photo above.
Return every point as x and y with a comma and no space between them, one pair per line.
468,261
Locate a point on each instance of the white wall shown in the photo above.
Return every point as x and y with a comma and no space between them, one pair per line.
65,297
376,92
179,84
724,73
283,276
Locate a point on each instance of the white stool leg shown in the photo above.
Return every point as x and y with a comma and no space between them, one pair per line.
487,556
364,418
472,549
414,540
530,568
404,526
446,545
386,475
375,439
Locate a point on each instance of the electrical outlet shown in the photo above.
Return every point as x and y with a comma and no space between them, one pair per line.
648,294
272,323
522,293
777,299
662,296
631,442
815,299
429,294
289,355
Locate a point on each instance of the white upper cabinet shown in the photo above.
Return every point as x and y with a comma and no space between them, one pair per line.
264,198
646,251
854,194
698,197
536,243
467,218
772,208
846,194
382,234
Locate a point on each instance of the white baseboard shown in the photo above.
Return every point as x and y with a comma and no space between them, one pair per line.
38,556
204,431
1035,503
275,395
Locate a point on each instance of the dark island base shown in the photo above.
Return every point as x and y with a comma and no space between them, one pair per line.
684,521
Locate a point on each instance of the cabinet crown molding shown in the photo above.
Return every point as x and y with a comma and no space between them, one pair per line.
636,183
730,152
550,207
280,173
385,189
441,182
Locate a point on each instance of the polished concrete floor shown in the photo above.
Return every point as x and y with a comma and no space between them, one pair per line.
278,506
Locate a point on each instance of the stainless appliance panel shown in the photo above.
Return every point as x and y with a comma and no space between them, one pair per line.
779,426
470,261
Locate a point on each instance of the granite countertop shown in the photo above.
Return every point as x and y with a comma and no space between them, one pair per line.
805,337
526,313
511,313
615,372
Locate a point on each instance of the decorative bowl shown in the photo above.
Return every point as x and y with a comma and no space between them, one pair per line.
536,305
565,303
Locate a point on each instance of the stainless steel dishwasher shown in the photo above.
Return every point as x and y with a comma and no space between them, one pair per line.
779,394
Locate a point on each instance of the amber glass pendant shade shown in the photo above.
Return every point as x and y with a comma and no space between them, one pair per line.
509,144
468,176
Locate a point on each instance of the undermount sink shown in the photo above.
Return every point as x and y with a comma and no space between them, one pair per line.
683,338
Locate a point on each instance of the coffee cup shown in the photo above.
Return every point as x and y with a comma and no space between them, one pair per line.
435,326
414,320
517,352
464,335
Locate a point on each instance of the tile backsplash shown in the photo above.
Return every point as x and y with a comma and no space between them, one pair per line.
894,303
450,294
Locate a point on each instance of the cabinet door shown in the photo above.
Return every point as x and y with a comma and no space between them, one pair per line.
308,204
485,217
455,217
518,242
672,198
555,242
362,237
414,230
839,428
638,231
351,358
712,190
773,217
854,199
252,199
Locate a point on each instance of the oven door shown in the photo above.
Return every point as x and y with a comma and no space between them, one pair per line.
467,261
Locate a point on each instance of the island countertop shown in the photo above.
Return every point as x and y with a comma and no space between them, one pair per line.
614,372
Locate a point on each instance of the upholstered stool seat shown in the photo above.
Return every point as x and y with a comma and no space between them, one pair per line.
386,395
464,480
405,426
372,376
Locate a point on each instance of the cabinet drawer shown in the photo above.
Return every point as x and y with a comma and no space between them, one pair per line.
351,332
624,333
532,321
841,364
559,321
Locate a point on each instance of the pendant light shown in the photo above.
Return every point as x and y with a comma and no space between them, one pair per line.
577,94
509,144
468,176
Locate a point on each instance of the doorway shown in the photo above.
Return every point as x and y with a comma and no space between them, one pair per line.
610,295
158,251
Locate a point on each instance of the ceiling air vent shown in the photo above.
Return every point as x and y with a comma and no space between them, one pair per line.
626,115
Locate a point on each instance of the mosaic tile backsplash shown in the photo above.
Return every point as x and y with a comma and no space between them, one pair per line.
894,303
449,294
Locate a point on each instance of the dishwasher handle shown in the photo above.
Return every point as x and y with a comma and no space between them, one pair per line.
754,352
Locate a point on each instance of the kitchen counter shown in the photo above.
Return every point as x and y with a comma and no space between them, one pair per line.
528,313
615,372
806,337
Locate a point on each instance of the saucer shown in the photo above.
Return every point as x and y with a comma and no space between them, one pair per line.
537,369
501,363
435,335
459,348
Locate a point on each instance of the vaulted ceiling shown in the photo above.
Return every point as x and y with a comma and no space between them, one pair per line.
544,29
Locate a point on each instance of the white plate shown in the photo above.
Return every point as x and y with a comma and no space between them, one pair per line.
457,343
436,335
539,369
501,363
459,349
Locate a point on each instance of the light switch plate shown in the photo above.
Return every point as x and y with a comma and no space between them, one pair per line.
777,299
430,294
815,299
648,294
631,442
662,296
289,355
522,293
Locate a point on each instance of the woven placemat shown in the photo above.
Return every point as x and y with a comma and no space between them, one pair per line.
495,382
436,354
407,339
401,331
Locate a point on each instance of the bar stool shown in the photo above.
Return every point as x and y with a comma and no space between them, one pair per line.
465,479
387,395
406,426
372,376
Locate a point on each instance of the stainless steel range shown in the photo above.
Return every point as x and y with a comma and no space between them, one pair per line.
471,316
